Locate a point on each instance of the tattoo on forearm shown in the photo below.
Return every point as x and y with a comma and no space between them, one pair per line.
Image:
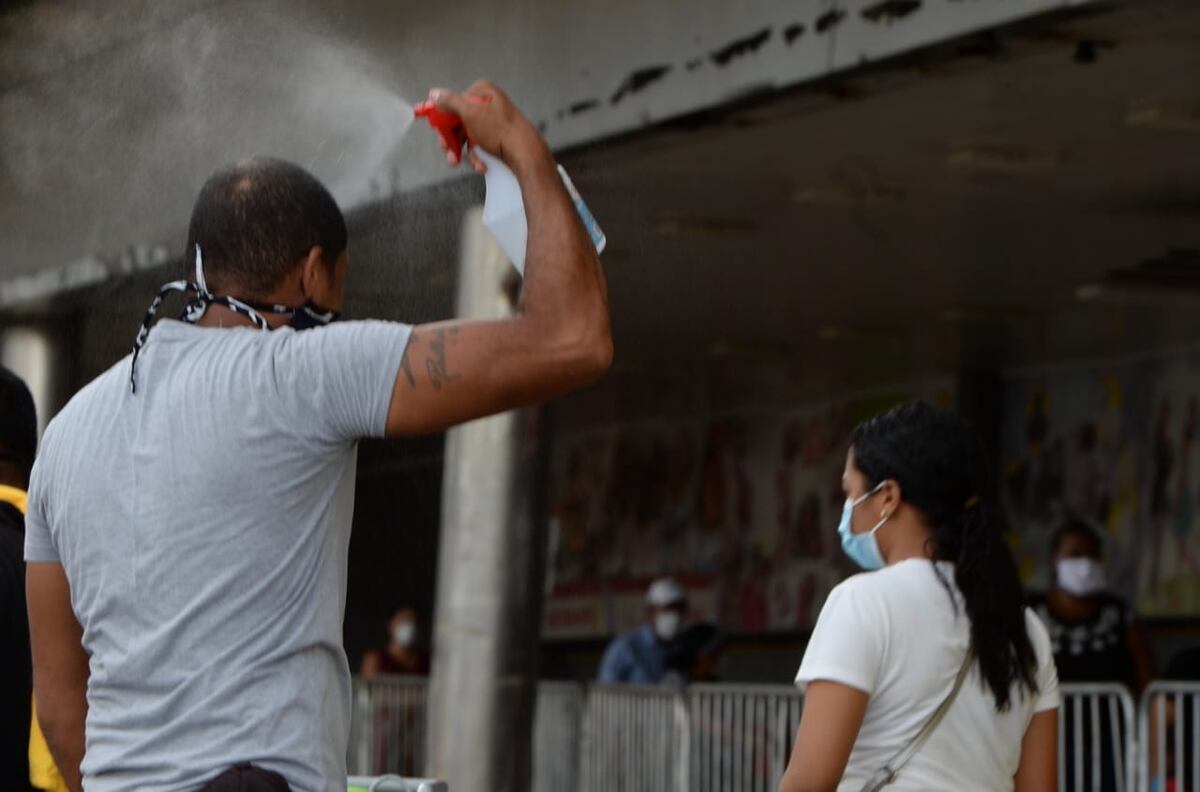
435,363
405,366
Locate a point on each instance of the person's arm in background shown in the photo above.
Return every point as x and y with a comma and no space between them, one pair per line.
833,714
559,339
60,667
1138,644
370,665
1038,769
616,663
16,680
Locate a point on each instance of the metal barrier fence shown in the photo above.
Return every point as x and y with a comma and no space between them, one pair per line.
742,735
387,726
1169,722
1096,738
557,725
391,783
635,739
737,738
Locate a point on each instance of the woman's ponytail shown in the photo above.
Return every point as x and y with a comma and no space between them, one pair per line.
994,601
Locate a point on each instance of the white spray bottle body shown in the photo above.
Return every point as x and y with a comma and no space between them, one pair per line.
504,210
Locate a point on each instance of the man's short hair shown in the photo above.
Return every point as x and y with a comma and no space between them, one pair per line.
254,220
18,422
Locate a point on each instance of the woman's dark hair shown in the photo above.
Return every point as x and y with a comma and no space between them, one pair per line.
1074,526
939,463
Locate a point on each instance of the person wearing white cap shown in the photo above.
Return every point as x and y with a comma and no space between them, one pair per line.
640,657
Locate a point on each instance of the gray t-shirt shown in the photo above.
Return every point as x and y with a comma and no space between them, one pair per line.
203,525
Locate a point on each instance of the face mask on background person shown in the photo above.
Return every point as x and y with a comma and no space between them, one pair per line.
667,624
862,548
404,634
1081,576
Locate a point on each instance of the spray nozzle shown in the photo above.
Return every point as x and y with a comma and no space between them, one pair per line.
448,126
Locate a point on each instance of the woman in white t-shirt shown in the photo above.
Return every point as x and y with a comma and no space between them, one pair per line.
889,646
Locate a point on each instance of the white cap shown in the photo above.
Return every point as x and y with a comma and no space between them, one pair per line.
664,592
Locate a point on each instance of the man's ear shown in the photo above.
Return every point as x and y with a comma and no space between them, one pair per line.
314,273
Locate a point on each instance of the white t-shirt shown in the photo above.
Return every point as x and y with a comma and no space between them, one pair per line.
898,635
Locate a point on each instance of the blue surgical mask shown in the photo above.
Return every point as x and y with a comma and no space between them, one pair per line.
862,548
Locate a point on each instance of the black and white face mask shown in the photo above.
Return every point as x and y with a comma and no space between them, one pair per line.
304,317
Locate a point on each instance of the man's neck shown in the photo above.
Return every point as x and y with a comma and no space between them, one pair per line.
218,315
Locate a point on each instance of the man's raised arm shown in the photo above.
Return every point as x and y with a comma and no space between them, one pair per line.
560,338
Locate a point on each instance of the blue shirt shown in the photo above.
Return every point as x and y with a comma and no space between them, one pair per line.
635,658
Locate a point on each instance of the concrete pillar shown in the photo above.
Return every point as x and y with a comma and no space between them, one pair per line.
29,353
490,571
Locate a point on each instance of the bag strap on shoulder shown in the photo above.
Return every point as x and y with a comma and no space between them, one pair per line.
887,774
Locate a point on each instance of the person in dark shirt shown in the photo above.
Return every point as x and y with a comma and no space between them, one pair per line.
18,443
1180,770
397,707
1095,637
402,654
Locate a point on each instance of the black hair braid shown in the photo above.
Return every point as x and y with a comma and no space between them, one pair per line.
939,463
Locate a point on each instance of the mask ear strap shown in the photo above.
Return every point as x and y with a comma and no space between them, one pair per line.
885,518
195,309
201,285
866,495
144,331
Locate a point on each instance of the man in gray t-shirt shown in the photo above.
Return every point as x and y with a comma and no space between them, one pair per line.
190,512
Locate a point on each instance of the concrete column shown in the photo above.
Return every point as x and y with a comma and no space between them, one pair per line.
29,353
490,571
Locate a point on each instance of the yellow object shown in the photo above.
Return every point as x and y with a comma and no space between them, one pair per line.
14,496
43,773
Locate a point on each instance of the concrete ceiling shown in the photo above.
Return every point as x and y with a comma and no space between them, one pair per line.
989,182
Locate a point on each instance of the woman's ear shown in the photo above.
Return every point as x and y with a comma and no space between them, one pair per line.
891,498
